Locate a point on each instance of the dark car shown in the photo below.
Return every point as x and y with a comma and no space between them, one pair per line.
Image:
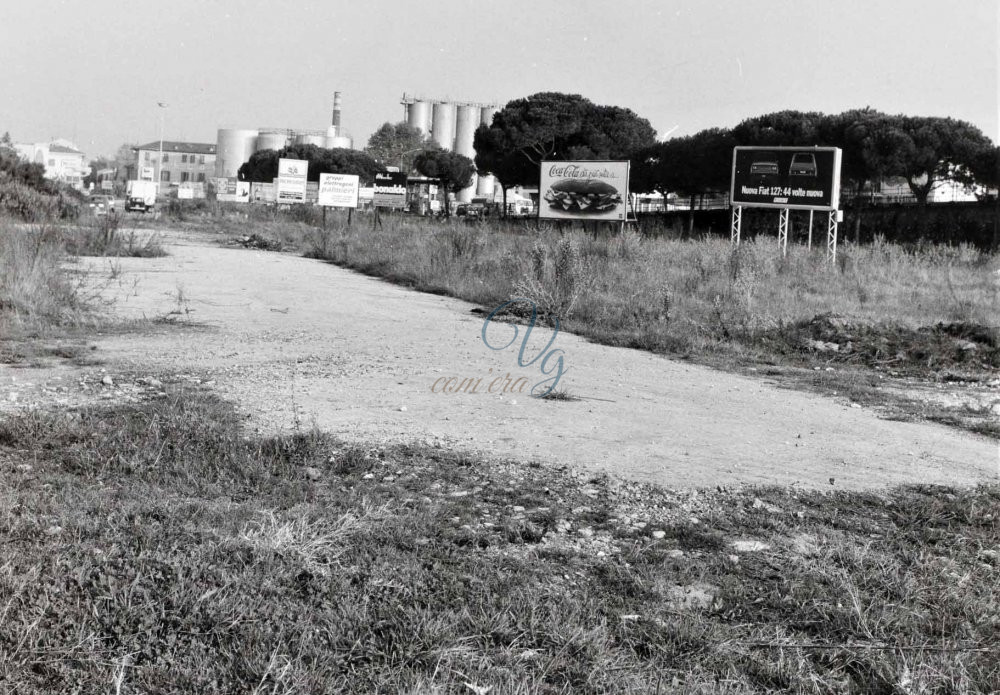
764,164
102,204
803,164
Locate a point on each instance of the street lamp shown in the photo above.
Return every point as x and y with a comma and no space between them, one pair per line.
403,154
159,172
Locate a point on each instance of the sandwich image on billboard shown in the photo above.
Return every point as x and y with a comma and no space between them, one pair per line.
802,178
583,190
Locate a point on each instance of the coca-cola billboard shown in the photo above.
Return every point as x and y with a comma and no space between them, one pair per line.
585,190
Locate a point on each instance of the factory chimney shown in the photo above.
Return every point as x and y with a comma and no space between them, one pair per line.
336,111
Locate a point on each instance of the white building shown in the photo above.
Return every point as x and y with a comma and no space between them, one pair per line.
62,160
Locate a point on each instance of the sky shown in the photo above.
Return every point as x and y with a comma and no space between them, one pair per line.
93,72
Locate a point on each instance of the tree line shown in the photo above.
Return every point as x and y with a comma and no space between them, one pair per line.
922,150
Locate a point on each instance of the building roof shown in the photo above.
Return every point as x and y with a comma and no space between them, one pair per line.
63,149
175,146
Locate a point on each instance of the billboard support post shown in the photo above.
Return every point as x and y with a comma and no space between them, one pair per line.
783,231
831,238
734,232
811,229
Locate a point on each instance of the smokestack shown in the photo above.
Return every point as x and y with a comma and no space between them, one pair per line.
336,111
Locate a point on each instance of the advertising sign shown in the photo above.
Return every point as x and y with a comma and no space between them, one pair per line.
146,174
291,181
338,190
798,178
230,190
261,192
587,190
390,190
107,185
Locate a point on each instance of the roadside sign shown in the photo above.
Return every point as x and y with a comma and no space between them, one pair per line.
338,190
107,185
795,178
291,181
390,190
146,174
262,192
584,190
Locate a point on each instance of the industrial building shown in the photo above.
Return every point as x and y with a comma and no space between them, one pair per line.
235,145
452,125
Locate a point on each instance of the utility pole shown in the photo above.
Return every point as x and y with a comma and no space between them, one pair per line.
159,171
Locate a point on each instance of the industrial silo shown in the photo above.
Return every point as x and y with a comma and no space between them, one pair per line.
485,186
272,140
233,147
443,125
304,138
465,130
420,116
486,114
341,141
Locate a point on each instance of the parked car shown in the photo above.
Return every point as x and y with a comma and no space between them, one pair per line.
803,164
764,164
102,204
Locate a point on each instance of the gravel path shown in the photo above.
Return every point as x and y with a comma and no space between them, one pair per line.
295,340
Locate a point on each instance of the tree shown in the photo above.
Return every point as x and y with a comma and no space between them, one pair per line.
95,166
493,157
933,148
397,145
263,165
454,171
782,128
7,145
125,163
693,166
555,126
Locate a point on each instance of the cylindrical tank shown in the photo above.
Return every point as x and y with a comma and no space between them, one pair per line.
420,116
486,114
271,140
466,194
233,147
310,139
465,129
443,126
485,186
340,141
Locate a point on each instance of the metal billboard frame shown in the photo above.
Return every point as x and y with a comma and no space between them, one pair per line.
832,210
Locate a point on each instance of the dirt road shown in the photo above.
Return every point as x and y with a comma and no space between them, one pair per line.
295,340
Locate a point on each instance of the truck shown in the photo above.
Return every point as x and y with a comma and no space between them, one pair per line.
140,196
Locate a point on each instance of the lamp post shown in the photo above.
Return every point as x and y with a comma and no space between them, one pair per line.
159,170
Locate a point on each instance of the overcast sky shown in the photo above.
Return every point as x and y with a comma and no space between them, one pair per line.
93,71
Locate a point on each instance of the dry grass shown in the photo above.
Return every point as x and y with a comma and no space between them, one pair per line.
34,287
155,549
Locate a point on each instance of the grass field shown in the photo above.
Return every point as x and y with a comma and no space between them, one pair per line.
156,549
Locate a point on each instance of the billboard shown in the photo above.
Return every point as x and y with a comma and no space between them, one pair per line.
338,190
230,190
261,192
390,190
587,190
291,181
800,178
